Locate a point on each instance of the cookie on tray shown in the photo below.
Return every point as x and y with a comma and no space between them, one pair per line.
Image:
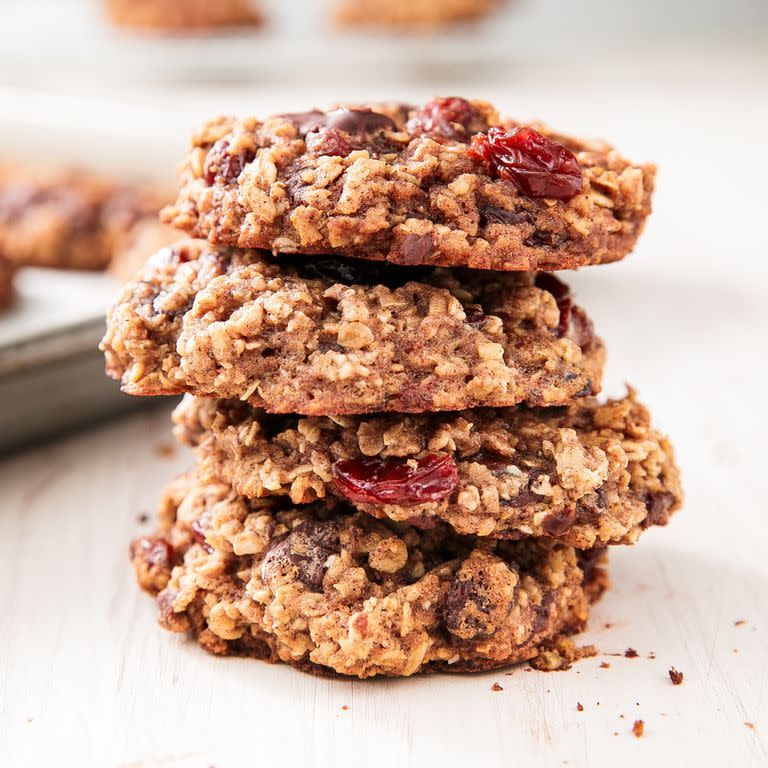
328,590
67,218
319,336
449,183
183,15
590,474
411,13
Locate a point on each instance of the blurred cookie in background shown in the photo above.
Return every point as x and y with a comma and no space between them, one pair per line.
67,218
181,15
147,236
412,13
6,282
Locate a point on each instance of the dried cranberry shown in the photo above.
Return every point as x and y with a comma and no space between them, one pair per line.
449,117
574,322
220,163
538,166
328,142
396,481
581,331
198,532
548,282
156,551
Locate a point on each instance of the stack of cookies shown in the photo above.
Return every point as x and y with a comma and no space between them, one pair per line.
401,466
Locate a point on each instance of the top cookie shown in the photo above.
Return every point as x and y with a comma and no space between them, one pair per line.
447,184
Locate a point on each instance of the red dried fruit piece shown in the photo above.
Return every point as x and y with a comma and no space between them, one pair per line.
329,142
396,481
198,532
449,117
548,282
220,163
574,322
156,551
538,166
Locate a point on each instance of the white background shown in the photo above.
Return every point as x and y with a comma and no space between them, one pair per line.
86,677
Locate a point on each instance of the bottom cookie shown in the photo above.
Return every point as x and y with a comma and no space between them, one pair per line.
329,590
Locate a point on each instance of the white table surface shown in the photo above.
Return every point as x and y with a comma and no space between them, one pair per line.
88,679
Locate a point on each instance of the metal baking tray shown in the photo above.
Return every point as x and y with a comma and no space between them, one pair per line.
52,377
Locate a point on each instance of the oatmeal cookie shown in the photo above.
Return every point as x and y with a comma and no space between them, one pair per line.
67,218
411,13
324,336
589,474
447,184
327,590
182,15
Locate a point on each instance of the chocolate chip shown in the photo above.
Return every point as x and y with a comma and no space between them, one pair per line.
359,122
501,216
588,559
305,121
466,608
351,271
543,239
585,391
415,249
305,551
559,523
658,504
475,315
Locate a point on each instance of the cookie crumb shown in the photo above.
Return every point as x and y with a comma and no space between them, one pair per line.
651,655
496,687
739,623
579,706
345,707
749,725
631,653
143,518
604,665
559,655
676,676
165,450
638,728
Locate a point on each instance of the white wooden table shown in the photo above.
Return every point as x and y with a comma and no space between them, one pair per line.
88,679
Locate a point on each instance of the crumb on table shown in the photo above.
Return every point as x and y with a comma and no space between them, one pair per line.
676,676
